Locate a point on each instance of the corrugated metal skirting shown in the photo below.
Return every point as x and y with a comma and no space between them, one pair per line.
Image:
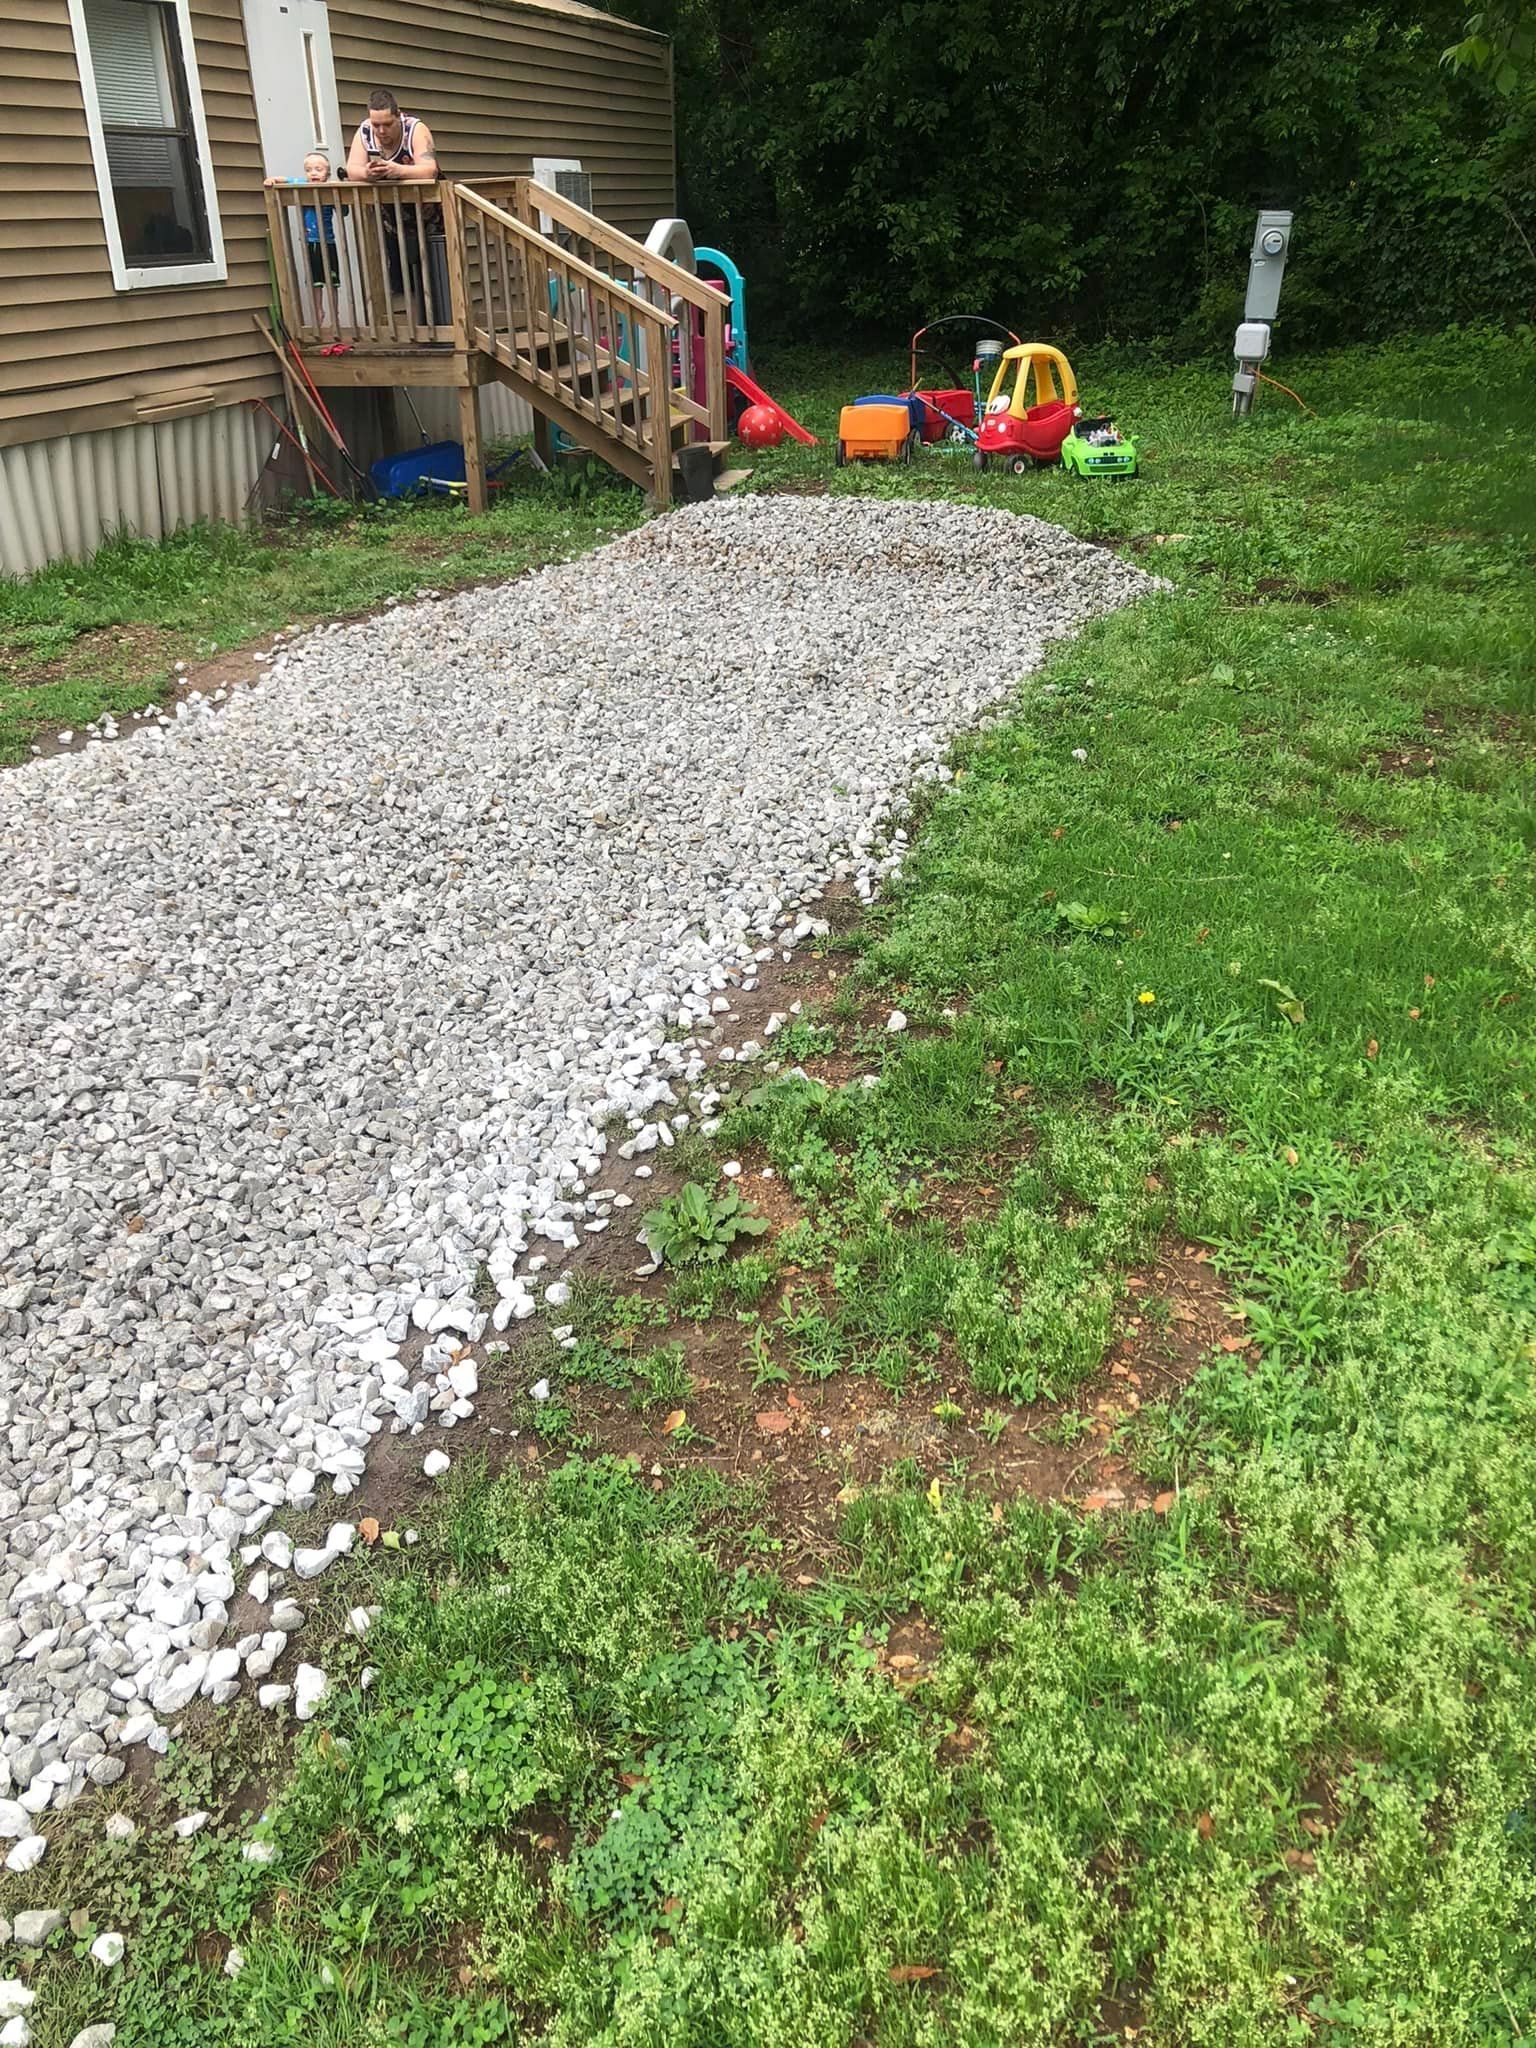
67,495
503,415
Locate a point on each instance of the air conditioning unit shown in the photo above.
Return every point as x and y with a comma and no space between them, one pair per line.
563,175
575,186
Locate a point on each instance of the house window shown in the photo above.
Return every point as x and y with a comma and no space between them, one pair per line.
144,113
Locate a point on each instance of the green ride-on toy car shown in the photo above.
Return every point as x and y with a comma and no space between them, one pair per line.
1096,447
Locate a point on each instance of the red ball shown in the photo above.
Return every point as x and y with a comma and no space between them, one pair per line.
760,427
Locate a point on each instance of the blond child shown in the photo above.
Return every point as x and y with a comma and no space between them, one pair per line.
319,221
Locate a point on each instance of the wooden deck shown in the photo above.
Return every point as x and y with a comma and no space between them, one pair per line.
449,284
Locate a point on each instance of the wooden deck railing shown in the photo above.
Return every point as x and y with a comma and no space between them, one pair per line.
362,264
628,348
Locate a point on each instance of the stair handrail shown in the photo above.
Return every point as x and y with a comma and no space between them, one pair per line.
588,271
660,272
671,276
652,394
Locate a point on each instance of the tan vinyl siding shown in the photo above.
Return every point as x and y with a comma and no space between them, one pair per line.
499,81
500,84
76,353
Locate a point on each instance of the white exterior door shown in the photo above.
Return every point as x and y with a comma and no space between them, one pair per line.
293,79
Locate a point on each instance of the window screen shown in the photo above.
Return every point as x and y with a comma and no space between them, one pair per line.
142,96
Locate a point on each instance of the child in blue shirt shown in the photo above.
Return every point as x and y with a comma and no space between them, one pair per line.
319,221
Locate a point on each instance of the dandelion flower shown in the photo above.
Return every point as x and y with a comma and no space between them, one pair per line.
1146,996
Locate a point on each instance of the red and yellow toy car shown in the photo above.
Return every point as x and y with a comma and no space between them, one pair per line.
1030,410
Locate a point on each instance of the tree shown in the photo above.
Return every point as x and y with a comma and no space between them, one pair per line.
1500,41
1093,166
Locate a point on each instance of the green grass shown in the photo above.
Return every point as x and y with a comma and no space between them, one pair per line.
80,639
1259,1771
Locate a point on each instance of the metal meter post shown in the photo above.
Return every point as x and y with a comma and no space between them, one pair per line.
1266,268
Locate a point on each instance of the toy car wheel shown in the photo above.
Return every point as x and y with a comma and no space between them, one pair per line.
842,454
1020,466
979,459
908,447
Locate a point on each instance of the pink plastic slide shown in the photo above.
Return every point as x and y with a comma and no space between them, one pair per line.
756,395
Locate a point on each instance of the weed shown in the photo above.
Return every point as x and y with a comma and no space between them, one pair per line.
1067,1428
802,1038
693,1155
554,1424
1090,921
661,1377
816,1343
700,1292
760,1361
694,1228
597,1363
628,1314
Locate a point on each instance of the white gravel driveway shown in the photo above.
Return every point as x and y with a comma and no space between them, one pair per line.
311,1006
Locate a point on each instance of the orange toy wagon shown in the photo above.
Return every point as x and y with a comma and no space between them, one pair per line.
874,433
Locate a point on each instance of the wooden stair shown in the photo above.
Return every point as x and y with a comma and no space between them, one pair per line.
591,340
543,375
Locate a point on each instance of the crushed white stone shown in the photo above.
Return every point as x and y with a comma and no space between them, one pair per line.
314,1005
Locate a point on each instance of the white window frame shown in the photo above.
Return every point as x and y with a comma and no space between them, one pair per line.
128,276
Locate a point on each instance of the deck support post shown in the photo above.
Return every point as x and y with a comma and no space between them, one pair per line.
474,453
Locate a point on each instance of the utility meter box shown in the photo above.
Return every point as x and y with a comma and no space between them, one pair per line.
1266,266
1266,270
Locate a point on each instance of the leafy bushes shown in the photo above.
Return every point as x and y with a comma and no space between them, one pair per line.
1097,168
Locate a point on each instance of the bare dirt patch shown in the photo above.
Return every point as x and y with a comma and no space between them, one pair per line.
1359,827
103,650
1280,590
1479,722
1408,763
814,1445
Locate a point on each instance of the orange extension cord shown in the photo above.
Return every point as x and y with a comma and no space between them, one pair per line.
1288,392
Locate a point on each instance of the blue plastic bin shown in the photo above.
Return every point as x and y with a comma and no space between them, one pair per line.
437,467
